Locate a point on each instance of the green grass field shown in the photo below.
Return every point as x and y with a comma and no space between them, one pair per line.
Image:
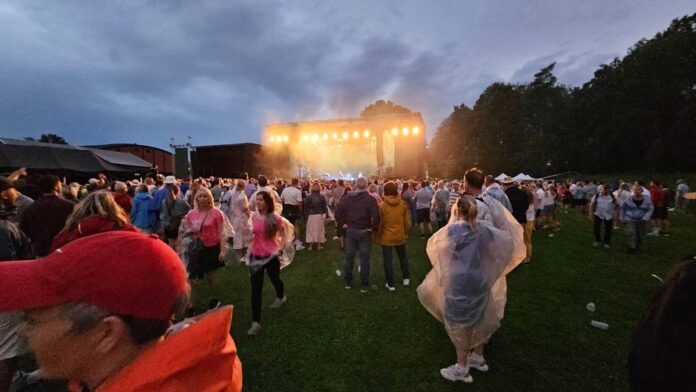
327,338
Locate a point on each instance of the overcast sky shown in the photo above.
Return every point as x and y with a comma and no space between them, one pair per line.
147,71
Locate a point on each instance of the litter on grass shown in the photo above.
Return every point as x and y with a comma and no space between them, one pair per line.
338,273
657,277
591,307
599,324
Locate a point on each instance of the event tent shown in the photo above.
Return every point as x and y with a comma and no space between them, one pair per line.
501,177
523,177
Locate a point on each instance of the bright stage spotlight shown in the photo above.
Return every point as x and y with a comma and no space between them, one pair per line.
272,139
366,133
356,134
335,135
286,138
416,130
405,131
345,135
315,137
305,137
325,137
395,131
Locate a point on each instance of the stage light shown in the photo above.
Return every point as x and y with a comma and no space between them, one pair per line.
315,137
366,133
272,139
395,132
356,134
345,135
326,137
335,135
405,131
305,137
286,138
416,130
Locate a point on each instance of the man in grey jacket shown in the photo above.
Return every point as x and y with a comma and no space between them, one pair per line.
358,213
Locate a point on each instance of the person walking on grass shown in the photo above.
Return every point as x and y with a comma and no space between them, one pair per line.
270,233
206,223
395,224
466,289
636,211
358,214
603,206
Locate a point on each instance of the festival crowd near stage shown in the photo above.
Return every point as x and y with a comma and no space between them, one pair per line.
120,260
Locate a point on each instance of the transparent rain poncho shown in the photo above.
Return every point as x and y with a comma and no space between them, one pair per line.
467,289
286,252
183,239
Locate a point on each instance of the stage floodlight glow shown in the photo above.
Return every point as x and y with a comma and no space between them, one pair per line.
345,135
395,132
315,137
405,131
416,130
356,134
366,133
272,139
326,137
305,137
335,135
286,138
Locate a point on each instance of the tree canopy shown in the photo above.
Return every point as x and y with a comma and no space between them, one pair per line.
50,138
383,107
636,113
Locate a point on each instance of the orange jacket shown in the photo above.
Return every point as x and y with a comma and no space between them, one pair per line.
202,357
395,223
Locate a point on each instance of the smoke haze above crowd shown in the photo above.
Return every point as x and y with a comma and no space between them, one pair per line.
218,71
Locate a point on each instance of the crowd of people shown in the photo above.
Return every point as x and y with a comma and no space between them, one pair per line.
477,231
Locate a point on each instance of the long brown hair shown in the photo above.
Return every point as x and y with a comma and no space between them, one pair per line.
99,203
271,228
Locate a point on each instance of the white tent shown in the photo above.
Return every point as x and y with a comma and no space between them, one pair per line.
523,177
501,177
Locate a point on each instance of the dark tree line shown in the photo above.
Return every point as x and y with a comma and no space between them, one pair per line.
637,113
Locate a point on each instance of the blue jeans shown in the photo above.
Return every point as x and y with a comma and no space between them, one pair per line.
358,240
403,262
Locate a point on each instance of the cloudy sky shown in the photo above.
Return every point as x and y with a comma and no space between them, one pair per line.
144,72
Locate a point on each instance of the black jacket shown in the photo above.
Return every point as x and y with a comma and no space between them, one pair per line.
520,203
359,211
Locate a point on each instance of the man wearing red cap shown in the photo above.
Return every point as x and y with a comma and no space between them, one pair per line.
98,312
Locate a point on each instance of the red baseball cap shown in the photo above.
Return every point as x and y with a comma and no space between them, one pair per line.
128,273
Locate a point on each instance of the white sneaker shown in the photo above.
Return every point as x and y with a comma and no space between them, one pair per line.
595,244
299,247
607,246
244,260
336,238
407,282
279,302
390,288
456,373
477,362
255,328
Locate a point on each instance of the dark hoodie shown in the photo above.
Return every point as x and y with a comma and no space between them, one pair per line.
14,244
358,210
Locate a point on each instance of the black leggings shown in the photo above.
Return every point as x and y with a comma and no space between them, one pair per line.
273,269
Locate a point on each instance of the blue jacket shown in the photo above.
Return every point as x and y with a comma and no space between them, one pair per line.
141,214
632,212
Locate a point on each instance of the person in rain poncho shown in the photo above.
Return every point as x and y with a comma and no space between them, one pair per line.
210,226
466,289
271,249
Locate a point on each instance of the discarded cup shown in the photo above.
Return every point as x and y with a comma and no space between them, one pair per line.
591,307
551,235
338,273
599,324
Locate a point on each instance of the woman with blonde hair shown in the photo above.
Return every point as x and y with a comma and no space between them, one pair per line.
466,287
204,224
96,213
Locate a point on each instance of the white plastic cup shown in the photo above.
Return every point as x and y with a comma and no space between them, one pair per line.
599,324
338,273
591,307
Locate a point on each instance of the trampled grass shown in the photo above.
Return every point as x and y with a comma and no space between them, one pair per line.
327,338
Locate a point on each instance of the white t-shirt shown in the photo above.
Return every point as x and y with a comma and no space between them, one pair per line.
291,196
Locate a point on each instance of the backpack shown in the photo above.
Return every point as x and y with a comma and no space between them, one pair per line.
594,200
